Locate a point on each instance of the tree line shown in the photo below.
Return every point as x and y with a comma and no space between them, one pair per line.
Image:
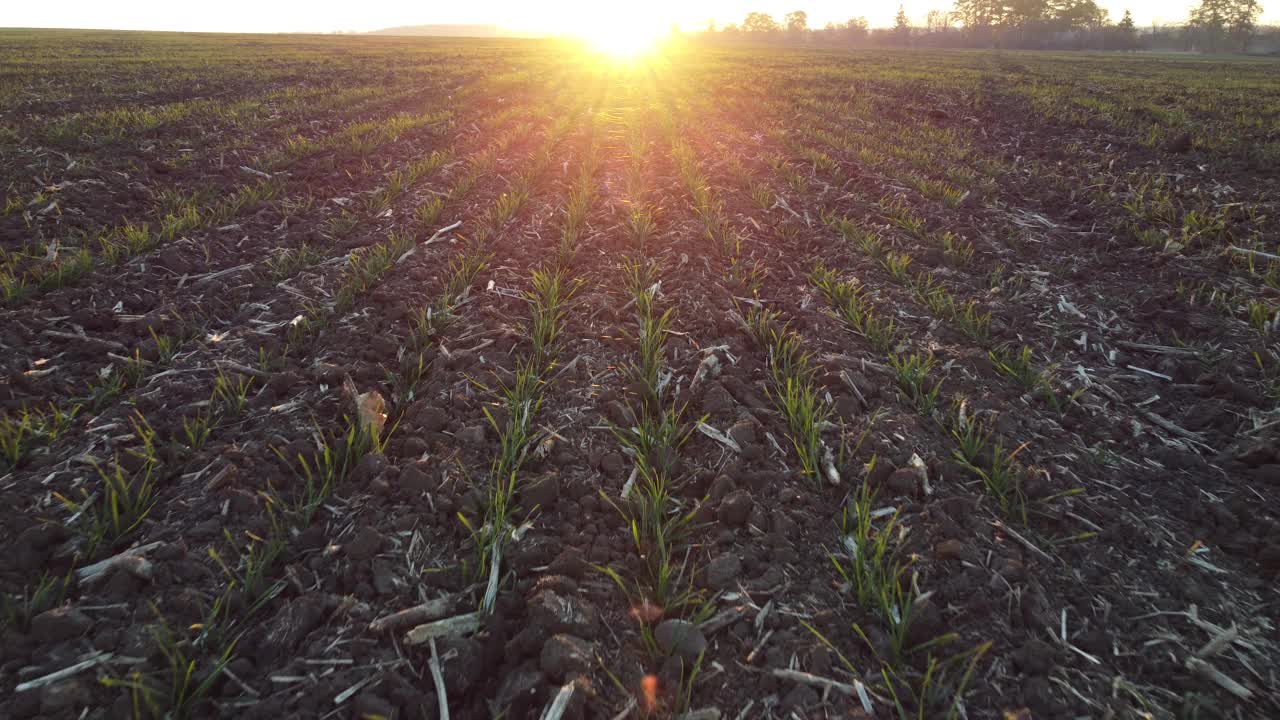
1213,26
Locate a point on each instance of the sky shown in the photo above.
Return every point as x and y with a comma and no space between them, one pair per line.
542,16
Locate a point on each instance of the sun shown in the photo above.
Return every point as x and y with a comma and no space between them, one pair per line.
623,33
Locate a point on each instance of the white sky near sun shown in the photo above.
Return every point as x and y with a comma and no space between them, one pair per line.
541,16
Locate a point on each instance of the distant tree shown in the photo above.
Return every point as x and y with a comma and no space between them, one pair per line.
797,22
1077,15
760,22
731,29
901,25
1025,14
711,26
1242,18
1125,33
1209,21
938,21
979,14
853,29
1214,20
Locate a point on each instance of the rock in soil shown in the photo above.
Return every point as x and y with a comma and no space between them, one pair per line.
680,638
949,550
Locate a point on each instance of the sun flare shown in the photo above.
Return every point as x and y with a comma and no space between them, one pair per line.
623,34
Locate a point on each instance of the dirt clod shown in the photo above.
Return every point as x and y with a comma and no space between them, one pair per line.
735,508
59,624
563,655
680,638
722,571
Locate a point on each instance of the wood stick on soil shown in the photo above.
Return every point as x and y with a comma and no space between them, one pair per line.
85,338
416,615
1025,542
814,681
723,619
1219,678
245,369
559,704
495,571
1169,426
719,437
1219,642
438,678
220,478
631,481
1256,253
66,672
1159,349
751,656
98,570
455,626
215,275
448,228
708,713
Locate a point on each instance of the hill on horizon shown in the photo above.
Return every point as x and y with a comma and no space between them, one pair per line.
452,31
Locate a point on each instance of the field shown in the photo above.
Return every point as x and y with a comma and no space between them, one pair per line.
378,377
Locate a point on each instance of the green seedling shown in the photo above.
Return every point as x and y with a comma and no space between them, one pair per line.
230,394
957,249
551,292
123,499
16,611
291,261
898,266
196,431
912,374
641,227
427,215
177,692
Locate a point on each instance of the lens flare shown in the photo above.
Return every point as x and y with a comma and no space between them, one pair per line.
624,34
649,692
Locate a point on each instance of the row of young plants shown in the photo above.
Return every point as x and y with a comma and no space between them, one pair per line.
881,581
913,372
1149,208
28,429
918,679
518,394
251,566
931,292
178,214
248,570
660,584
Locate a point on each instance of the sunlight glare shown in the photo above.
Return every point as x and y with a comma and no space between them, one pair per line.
623,33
